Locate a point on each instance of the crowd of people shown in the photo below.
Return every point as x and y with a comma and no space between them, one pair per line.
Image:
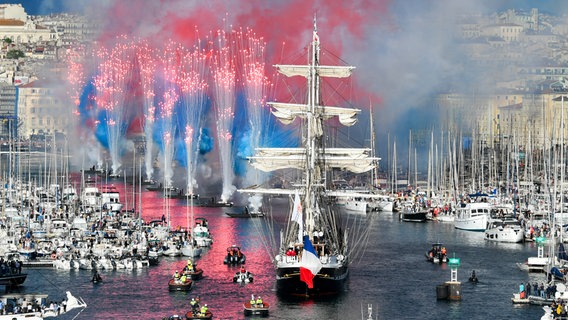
537,290
10,266
22,305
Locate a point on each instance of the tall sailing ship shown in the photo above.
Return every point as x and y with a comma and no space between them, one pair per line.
313,254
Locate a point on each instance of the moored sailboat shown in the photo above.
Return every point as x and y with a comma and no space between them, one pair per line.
313,255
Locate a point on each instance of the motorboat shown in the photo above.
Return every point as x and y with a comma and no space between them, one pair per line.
504,230
473,277
234,256
411,213
192,271
256,309
437,254
180,284
473,216
201,234
96,278
243,212
243,277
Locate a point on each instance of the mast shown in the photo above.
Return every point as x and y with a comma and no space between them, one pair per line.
374,172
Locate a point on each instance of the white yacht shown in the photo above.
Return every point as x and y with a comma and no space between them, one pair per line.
472,217
110,198
504,230
356,204
91,198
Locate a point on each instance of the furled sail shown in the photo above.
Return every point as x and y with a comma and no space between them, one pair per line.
356,160
287,112
322,71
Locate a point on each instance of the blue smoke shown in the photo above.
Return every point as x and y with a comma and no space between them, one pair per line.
206,143
273,134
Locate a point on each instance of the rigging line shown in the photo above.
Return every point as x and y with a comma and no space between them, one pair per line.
82,309
258,226
48,280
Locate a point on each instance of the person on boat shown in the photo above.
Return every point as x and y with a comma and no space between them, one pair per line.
183,278
252,300
204,309
473,277
96,277
190,266
443,251
194,305
259,303
528,288
176,275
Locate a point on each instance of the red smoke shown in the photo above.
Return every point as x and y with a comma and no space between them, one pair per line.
285,25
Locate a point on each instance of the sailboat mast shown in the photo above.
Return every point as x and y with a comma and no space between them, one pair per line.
312,139
374,172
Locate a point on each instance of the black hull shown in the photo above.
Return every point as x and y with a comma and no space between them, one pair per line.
153,261
212,204
329,281
414,216
13,279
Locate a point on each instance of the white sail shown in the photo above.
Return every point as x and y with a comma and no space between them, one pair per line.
322,71
287,112
356,160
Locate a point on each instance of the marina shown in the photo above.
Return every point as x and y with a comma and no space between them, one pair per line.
393,266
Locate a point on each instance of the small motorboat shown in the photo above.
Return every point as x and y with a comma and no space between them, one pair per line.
234,256
437,254
180,285
190,315
153,260
243,277
96,278
473,277
194,274
256,309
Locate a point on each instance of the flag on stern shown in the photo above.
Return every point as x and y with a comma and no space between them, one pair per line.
310,264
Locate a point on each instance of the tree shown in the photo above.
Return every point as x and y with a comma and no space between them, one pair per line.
15,54
7,40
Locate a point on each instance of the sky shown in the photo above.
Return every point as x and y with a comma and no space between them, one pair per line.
41,7
405,51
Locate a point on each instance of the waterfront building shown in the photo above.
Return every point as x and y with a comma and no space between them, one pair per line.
40,110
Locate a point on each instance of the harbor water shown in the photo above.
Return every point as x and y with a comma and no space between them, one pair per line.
391,273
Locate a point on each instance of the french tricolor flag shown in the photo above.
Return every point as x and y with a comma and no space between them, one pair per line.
310,264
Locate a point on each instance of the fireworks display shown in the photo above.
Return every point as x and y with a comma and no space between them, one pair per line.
189,94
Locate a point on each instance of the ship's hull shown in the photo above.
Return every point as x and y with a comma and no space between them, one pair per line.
329,281
13,279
